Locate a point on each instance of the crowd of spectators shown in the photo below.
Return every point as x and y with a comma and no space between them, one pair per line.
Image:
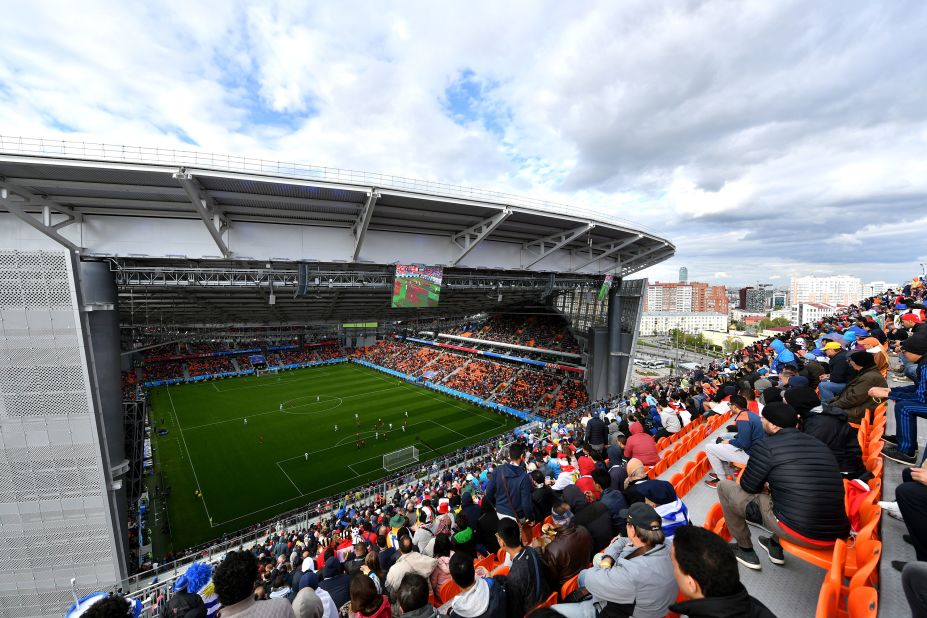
572,395
379,352
443,366
164,370
212,365
329,352
529,388
583,482
481,378
548,331
299,355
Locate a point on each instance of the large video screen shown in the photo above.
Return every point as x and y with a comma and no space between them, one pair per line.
417,286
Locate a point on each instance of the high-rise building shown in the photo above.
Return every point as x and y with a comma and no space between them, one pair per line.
752,299
689,297
780,298
683,274
877,287
840,290
716,299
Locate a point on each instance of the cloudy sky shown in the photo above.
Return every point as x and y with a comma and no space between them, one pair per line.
765,139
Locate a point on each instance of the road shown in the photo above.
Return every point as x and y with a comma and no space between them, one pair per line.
660,349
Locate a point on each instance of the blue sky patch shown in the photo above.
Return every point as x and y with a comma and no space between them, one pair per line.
244,92
469,99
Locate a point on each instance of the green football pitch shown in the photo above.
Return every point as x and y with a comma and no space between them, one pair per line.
230,441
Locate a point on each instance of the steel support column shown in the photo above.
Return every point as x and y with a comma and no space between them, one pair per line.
614,376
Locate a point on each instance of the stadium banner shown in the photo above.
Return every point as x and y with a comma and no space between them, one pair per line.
417,286
522,414
276,348
606,286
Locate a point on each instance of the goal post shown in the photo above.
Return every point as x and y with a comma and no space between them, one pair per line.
402,457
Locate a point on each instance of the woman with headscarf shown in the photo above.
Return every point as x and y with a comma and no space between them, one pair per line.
637,473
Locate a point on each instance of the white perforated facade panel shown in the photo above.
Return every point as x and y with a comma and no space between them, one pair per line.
55,520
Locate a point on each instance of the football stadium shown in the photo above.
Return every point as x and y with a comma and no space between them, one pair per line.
337,379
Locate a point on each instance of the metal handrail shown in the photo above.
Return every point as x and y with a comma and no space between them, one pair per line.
99,151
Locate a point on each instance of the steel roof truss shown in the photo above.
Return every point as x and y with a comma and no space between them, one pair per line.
547,245
468,239
608,249
359,229
206,208
637,258
16,199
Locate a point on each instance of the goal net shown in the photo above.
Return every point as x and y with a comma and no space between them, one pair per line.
400,458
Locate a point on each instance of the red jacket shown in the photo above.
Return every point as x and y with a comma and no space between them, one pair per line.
641,446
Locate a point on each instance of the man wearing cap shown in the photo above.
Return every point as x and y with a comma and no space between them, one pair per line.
910,403
839,371
633,576
855,399
805,500
662,497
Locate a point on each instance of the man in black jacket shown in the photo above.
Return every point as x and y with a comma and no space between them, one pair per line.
831,426
839,371
525,587
596,432
707,575
805,500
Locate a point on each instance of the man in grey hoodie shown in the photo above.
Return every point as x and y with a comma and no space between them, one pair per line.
633,576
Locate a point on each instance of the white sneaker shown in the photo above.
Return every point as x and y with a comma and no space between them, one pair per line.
891,509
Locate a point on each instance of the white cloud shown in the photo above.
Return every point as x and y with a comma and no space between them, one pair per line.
773,138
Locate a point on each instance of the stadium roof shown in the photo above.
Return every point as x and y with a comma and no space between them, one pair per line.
214,224
102,189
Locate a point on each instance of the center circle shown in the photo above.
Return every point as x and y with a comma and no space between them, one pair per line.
324,404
